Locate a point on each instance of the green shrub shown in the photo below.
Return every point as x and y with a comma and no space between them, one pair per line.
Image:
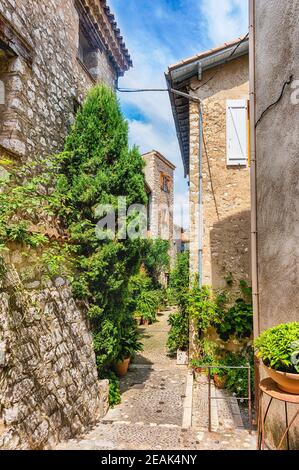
179,279
178,336
278,347
202,307
147,305
157,259
114,387
237,321
95,168
208,355
237,379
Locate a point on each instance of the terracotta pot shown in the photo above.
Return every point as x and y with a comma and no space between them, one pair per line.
286,382
220,381
121,368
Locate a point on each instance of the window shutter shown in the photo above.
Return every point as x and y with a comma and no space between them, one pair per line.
236,132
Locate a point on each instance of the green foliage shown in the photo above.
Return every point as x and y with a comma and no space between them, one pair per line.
96,168
25,202
157,259
295,355
178,337
237,379
114,387
278,346
144,301
202,307
237,321
209,355
179,279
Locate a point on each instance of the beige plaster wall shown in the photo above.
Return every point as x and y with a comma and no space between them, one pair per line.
225,223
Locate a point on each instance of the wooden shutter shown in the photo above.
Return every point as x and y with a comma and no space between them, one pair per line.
236,132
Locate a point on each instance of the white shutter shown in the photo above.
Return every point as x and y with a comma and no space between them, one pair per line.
236,132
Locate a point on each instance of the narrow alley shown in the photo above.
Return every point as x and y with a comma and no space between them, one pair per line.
151,413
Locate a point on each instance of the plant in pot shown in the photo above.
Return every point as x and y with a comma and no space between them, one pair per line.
129,345
178,336
220,376
278,348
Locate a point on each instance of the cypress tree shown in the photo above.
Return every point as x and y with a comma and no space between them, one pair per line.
97,167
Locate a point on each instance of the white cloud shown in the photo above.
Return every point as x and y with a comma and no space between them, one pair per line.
147,137
226,19
151,53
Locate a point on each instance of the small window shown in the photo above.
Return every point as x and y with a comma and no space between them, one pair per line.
165,183
237,132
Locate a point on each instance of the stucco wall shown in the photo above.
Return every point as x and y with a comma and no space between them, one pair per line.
40,97
277,139
226,190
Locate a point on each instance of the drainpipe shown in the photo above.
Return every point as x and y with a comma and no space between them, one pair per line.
200,247
253,172
200,224
253,178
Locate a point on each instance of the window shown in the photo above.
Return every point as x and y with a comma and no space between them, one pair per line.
165,183
236,132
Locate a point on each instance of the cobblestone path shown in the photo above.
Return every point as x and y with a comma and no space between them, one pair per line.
151,413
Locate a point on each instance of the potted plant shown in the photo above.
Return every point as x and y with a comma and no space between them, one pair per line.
129,345
278,348
178,337
121,366
219,376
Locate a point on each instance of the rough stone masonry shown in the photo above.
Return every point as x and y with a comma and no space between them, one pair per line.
51,53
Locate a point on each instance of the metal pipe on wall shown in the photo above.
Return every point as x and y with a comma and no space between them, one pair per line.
253,171
200,194
253,179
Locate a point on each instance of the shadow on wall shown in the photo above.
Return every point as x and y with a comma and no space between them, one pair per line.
230,249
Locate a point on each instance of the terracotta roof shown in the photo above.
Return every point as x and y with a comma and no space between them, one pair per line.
204,54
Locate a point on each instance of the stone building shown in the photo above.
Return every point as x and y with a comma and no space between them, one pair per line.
159,176
51,53
212,132
274,73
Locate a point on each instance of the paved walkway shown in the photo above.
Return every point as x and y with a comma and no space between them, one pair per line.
151,413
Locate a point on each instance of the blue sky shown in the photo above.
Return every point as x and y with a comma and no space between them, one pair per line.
159,33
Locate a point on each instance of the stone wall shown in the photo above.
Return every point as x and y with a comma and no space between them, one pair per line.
277,141
161,202
49,389
226,190
41,96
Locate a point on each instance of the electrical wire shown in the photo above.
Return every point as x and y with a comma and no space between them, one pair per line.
162,90
288,82
225,62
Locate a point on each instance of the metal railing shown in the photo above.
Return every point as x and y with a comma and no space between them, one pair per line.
248,398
